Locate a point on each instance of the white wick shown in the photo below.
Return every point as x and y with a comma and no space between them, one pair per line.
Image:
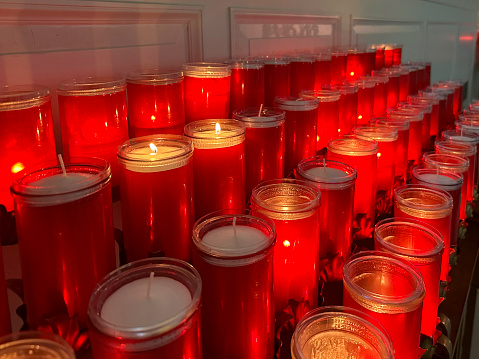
260,110
62,164
152,274
324,164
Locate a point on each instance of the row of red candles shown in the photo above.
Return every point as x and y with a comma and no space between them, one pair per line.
226,161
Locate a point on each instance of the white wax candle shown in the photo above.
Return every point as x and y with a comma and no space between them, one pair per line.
437,179
156,159
325,173
131,306
224,240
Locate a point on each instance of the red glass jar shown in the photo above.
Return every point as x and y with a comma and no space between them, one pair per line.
155,103
379,60
26,132
302,74
449,116
355,63
366,91
322,69
426,109
348,106
277,78
434,103
35,344
463,136
403,82
393,85
381,89
338,66
442,114
458,86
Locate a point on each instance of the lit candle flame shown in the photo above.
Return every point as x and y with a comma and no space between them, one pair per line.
352,73
217,128
17,167
379,154
153,149
286,243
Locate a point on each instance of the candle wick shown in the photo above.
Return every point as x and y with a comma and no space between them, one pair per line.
260,110
234,226
462,131
437,170
324,165
62,164
152,274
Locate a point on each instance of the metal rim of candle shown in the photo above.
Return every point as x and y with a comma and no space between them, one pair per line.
91,86
162,333
24,192
445,161
377,133
341,319
455,148
423,202
270,117
323,95
418,173
247,64
170,159
286,199
460,136
336,183
292,103
388,231
33,344
204,136
399,124
228,258
358,265
351,145
23,96
153,77
206,70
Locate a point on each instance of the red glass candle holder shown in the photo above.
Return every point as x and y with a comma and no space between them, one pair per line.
277,78
328,331
300,129
427,74
362,156
449,109
207,90
403,82
147,309
370,54
420,70
415,118
433,206
447,181
466,150
392,54
458,87
35,344
386,138
50,206
455,164
348,106
393,85
379,60
462,136
218,165
233,252
5,324
338,66
335,181
391,291
26,132
264,144
302,74
422,246
247,84
355,63
328,114
94,119
426,109
366,91
322,70
397,54
442,114
434,123
380,94
155,103
157,196
293,206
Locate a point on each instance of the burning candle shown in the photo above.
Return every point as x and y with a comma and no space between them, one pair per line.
455,164
380,94
393,86
218,165
277,77
247,84
5,324
233,252
322,69
362,156
426,109
403,82
264,144
157,196
155,103
335,180
94,119
434,113
147,309
207,90
386,138
457,86
51,205
32,344
397,54
302,74
340,332
413,78
379,60
447,181
392,53
449,114
300,129
391,291
422,246
26,132
348,106
370,60
328,114
293,206
355,64
442,114
420,70
365,99
433,206
338,66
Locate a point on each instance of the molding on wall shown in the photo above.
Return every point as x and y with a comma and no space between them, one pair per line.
364,26
251,28
452,3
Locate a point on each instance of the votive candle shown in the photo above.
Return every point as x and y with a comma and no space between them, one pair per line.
277,78
34,344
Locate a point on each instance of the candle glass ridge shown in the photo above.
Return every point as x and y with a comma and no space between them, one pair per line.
157,196
340,332
33,344
147,334
233,252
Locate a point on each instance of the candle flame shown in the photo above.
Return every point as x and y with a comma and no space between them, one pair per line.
17,167
217,128
153,149
153,118
379,154
286,243
352,73
360,117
